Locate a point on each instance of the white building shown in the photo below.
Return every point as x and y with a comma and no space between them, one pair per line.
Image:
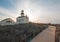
19,20
7,21
22,19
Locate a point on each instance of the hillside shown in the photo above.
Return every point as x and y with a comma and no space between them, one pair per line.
20,32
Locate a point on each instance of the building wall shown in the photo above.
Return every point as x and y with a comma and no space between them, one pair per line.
6,22
22,20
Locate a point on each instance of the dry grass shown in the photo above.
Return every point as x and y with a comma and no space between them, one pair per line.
17,33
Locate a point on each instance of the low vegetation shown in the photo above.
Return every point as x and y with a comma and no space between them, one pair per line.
20,32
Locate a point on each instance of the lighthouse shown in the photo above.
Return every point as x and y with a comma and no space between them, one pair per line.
22,19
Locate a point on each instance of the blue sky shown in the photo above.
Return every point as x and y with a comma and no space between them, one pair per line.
38,10
5,4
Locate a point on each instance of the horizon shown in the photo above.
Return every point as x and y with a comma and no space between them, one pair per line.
38,11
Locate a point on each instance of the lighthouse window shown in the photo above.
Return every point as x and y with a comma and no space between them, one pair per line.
21,20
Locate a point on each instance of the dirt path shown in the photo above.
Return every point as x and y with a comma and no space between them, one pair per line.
48,35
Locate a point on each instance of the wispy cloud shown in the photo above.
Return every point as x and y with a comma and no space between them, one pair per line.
5,13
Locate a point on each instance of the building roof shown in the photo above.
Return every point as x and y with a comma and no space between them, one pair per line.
22,16
7,19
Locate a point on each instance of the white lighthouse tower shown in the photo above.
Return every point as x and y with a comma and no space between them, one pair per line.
22,19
